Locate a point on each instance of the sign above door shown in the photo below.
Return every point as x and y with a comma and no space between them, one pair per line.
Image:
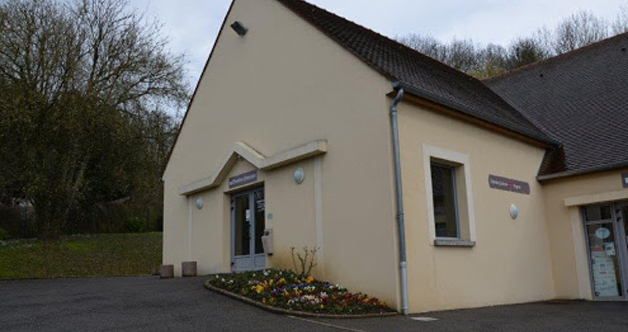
242,179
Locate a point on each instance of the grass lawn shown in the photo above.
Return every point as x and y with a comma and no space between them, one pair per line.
82,256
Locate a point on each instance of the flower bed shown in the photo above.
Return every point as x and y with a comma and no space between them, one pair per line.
286,290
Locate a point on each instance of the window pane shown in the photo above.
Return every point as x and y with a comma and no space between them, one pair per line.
595,213
605,266
260,222
443,193
242,226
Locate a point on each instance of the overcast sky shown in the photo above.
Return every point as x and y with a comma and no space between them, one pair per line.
192,25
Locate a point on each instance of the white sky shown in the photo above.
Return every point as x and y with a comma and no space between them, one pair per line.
192,25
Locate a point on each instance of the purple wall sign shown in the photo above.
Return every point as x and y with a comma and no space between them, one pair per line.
498,182
624,179
242,179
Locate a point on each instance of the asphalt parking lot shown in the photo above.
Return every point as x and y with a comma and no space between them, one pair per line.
150,304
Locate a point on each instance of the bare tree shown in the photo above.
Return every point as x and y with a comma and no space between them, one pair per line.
79,81
544,38
425,44
459,53
621,23
578,30
523,51
492,60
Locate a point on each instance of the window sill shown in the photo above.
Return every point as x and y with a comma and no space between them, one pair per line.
454,243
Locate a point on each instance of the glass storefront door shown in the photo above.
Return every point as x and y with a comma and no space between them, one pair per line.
606,240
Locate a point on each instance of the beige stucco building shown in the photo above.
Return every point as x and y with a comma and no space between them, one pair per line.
293,130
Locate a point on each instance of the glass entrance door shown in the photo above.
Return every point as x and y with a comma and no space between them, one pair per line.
606,243
247,228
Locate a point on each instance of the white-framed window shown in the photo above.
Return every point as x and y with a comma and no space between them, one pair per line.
444,200
449,194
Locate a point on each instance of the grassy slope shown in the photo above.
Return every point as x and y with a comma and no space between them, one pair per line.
82,256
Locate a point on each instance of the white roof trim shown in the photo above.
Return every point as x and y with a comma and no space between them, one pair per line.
258,160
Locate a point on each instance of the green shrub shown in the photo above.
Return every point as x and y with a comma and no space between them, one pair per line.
134,225
4,235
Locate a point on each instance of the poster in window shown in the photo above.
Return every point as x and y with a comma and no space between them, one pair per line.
604,275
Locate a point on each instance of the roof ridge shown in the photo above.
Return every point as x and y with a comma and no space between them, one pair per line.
386,38
555,58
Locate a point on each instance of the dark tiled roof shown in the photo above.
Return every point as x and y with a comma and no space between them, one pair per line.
579,98
427,77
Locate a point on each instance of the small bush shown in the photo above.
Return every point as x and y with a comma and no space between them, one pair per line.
4,235
307,261
134,225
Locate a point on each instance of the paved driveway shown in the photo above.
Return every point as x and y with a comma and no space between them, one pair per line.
150,304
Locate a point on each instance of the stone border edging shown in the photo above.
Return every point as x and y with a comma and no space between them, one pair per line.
291,312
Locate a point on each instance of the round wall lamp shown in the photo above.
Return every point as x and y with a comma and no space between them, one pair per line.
514,211
199,203
299,176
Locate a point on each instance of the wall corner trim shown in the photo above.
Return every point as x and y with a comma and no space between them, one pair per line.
258,160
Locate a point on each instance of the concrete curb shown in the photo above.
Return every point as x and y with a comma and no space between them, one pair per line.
291,312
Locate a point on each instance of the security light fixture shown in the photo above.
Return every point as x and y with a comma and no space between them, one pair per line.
299,176
239,28
514,211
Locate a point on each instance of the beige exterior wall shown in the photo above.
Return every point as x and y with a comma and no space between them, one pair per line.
569,253
275,89
278,88
211,225
511,260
